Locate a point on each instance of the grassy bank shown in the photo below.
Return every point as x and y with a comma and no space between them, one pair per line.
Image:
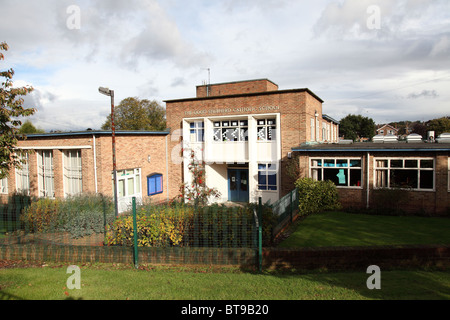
112,282
346,229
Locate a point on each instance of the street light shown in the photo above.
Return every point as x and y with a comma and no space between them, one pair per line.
110,93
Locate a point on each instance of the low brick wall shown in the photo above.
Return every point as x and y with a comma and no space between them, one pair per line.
356,258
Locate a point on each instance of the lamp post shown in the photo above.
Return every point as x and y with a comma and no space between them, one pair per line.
110,93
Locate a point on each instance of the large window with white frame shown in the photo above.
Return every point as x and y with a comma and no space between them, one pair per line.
72,172
196,131
23,175
343,172
129,183
231,130
45,173
266,129
406,173
267,176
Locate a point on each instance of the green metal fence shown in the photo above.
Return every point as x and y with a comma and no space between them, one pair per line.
85,229
285,210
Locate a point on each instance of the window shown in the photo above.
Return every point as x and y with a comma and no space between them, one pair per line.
266,129
45,173
72,172
231,130
154,184
407,173
267,176
128,183
4,185
344,172
196,131
23,176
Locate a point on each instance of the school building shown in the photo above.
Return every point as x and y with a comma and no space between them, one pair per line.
247,134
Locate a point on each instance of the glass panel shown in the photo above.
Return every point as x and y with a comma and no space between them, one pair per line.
272,178
225,123
261,166
271,133
426,163
382,163
381,179
355,163
233,182
332,175
403,178
329,163
192,125
355,177
262,178
396,163
426,179
410,163
121,188
138,184
217,124
261,122
341,163
130,183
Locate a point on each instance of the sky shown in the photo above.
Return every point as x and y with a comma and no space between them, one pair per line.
384,59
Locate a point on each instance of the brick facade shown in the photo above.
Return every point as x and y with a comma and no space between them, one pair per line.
146,151
435,201
296,107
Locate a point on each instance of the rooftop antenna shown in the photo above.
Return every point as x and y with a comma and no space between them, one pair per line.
208,86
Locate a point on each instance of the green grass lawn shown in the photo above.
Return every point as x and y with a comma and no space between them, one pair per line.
346,229
108,282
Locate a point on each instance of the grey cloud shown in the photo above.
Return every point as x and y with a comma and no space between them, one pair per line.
424,94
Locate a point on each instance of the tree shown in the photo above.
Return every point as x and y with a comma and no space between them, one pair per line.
29,128
439,125
11,108
355,127
136,114
197,190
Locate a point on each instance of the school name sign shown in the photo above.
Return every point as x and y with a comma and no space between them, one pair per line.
231,110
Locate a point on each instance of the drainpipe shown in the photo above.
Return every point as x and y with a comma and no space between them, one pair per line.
167,170
95,165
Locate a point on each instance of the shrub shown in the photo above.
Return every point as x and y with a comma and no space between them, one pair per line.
316,196
187,226
79,215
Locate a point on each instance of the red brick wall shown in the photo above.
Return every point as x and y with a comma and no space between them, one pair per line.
294,107
232,88
132,151
429,202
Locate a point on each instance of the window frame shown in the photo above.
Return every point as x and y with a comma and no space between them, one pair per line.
23,175
155,176
403,159
348,169
268,127
196,127
46,176
267,187
72,176
126,177
241,126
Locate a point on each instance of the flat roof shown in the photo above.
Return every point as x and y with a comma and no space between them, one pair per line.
97,132
371,146
248,95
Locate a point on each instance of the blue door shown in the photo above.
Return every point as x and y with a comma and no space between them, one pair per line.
238,185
